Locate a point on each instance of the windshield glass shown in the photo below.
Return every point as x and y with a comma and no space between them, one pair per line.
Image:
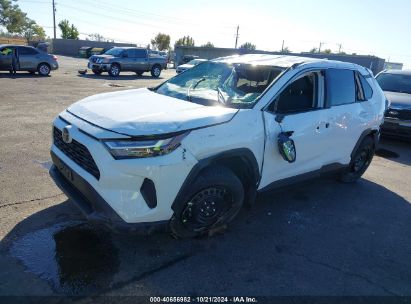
395,82
116,52
195,62
211,83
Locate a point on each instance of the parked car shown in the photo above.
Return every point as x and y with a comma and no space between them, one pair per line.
189,65
127,59
31,59
187,58
396,85
192,151
84,51
98,51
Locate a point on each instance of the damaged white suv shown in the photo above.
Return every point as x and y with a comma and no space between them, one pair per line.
190,152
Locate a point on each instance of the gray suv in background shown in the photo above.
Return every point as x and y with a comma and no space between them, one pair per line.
127,59
30,59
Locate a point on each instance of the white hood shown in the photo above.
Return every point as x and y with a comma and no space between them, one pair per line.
142,112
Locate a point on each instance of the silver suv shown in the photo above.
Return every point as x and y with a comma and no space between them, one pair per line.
127,59
30,59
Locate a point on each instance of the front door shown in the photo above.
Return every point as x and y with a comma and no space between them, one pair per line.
5,58
297,110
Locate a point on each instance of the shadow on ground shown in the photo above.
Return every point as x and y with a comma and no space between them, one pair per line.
319,238
396,150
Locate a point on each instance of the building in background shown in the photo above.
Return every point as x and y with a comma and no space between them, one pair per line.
393,66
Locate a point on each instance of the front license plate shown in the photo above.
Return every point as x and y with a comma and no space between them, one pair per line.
66,171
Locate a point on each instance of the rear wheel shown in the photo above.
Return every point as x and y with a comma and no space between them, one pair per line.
156,71
213,200
114,70
360,161
43,69
97,72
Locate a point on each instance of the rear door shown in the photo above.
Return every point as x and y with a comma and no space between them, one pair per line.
142,61
5,58
349,112
300,109
28,58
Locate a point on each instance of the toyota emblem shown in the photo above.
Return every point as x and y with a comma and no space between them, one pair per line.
65,135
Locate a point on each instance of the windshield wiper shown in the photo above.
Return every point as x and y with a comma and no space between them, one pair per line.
193,86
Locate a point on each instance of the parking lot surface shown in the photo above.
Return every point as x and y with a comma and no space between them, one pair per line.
317,238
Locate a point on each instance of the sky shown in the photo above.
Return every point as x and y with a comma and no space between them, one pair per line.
369,27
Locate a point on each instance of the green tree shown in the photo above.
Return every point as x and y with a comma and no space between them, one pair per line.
327,51
161,42
248,46
313,50
286,50
32,31
11,17
208,45
185,41
68,31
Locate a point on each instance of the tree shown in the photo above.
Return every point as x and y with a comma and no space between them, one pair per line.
96,37
286,50
327,51
67,31
11,17
313,50
161,42
32,31
208,45
185,41
248,46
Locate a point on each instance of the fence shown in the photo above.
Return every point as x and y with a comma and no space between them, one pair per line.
19,41
70,47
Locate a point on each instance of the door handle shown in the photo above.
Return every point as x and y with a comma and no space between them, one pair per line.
326,124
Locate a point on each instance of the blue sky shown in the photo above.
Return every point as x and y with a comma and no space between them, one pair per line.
380,28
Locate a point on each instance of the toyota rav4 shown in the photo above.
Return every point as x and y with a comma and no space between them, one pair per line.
192,151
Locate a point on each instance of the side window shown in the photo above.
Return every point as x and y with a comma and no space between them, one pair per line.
367,90
140,53
6,51
130,53
301,95
341,88
27,51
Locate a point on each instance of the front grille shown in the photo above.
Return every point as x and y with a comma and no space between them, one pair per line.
93,59
77,153
401,114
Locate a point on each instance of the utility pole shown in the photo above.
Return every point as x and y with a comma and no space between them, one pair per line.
54,18
236,36
282,47
319,48
339,48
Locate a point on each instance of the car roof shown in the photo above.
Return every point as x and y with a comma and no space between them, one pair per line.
14,45
282,61
398,72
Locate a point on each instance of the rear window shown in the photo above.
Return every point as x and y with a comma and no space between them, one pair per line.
340,87
365,87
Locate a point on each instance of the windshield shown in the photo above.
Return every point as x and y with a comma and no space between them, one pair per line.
195,62
395,82
212,83
116,52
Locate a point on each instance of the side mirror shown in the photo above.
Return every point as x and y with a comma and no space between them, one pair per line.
286,147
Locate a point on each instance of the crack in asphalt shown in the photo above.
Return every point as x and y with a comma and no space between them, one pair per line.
352,274
30,201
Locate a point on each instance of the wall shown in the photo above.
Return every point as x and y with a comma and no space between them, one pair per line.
70,47
375,64
19,41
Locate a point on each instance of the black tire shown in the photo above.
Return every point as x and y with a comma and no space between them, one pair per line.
213,200
43,69
114,70
139,73
97,72
156,71
360,161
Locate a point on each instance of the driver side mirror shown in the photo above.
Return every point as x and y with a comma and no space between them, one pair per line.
286,147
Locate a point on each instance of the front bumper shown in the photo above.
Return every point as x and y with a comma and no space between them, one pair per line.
396,128
121,182
99,66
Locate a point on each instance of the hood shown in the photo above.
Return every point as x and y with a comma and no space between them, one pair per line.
102,56
398,100
185,66
142,112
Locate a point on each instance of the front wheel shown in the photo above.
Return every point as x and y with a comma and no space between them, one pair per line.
43,69
360,161
114,70
156,71
213,200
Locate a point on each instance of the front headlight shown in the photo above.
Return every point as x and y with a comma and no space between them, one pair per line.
121,149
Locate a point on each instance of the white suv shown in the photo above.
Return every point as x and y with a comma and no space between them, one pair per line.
190,152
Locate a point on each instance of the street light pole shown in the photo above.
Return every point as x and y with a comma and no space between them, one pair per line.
54,18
